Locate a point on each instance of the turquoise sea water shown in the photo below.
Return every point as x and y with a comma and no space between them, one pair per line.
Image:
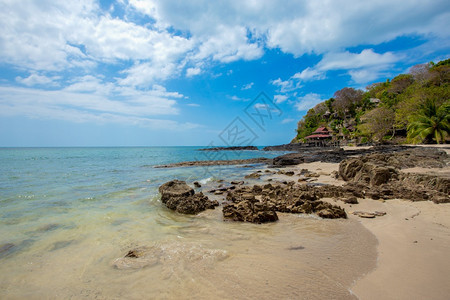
66,214
53,183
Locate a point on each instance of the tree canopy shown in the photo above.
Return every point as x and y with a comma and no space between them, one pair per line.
393,108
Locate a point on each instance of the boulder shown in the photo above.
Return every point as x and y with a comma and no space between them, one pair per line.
248,211
255,175
178,196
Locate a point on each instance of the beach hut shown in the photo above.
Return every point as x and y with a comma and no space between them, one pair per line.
319,137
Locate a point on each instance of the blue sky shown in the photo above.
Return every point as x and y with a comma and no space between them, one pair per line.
149,73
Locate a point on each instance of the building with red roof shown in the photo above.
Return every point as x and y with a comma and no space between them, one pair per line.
321,133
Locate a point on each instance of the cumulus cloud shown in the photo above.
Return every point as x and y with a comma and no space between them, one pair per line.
309,74
362,67
48,40
36,79
308,101
280,98
89,99
49,35
192,72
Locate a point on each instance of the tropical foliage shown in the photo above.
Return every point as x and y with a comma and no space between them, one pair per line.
411,107
430,122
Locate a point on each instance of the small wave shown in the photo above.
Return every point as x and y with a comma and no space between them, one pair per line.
206,180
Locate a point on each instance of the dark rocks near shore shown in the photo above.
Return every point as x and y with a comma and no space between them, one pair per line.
249,211
259,204
376,175
258,160
233,148
178,196
379,175
332,155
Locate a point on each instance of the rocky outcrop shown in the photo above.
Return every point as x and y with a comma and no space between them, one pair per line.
289,159
178,196
379,175
259,204
365,172
249,211
259,160
233,148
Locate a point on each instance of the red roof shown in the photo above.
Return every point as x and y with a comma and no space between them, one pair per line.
321,130
318,136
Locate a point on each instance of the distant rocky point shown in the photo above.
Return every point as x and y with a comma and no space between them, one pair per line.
234,148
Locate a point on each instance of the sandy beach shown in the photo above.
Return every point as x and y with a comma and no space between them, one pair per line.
413,241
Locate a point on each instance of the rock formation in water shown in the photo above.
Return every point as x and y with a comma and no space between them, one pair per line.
232,148
178,196
259,204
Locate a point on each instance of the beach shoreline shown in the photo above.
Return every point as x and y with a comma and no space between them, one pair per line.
413,237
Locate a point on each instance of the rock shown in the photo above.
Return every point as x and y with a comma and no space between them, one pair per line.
287,173
197,184
335,174
237,182
288,159
288,198
296,248
247,211
136,259
254,175
178,196
350,200
232,148
259,160
370,215
329,211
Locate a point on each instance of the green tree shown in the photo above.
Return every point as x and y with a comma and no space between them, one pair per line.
377,123
431,121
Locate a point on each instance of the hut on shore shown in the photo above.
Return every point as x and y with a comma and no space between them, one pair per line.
320,137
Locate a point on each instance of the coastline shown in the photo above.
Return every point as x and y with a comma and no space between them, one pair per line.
75,253
413,242
413,237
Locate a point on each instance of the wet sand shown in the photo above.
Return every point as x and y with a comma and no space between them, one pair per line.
413,241
202,257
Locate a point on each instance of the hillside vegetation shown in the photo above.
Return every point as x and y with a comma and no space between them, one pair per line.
412,108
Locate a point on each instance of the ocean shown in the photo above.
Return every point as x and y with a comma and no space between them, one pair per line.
66,214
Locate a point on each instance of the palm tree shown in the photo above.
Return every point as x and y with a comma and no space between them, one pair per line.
430,122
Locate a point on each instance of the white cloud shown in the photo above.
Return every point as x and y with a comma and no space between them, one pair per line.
308,101
347,60
90,100
363,67
192,72
247,86
286,86
309,74
280,98
305,26
193,104
226,45
145,74
36,79
266,107
286,121
236,98
48,35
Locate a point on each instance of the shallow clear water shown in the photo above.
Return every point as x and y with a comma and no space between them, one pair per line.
66,214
